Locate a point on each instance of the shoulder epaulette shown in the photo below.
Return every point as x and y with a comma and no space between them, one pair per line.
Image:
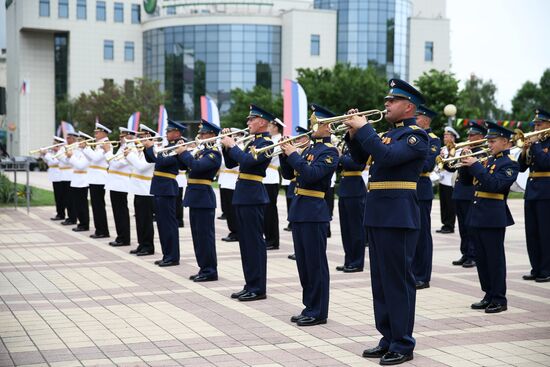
433,136
512,158
414,127
267,138
330,145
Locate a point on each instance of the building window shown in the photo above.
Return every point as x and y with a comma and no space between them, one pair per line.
44,8
119,12
108,50
429,51
81,9
128,51
136,14
63,9
171,10
315,49
100,11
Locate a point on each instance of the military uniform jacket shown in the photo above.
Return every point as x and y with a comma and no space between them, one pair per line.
537,160
492,183
424,188
202,168
80,168
65,167
166,170
397,159
142,173
227,178
54,174
97,172
313,169
249,191
351,180
119,172
464,185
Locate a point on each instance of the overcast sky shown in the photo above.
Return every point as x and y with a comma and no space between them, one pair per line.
507,41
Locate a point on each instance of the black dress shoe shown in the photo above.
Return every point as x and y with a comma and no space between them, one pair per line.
376,352
272,247
292,256
340,267
133,252
296,318
251,296
181,225
94,235
444,231
460,261
495,308
230,239
542,279
288,229
157,262
118,244
222,217
480,305
392,358
163,264
310,321
529,277
81,229
67,222
421,285
145,253
239,293
469,264
57,218
205,278
349,269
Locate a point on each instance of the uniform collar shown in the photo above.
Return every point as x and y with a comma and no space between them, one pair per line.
323,140
503,153
428,130
261,135
406,122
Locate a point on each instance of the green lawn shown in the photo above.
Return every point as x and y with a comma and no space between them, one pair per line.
39,197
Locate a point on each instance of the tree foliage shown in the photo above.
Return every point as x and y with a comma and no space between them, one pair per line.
241,99
530,97
477,100
112,105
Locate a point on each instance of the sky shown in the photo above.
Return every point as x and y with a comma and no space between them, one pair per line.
507,41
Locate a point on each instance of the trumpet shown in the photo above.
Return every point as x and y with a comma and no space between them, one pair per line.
114,143
35,151
71,147
245,139
452,147
120,155
171,150
520,137
451,160
214,138
257,152
336,124
139,140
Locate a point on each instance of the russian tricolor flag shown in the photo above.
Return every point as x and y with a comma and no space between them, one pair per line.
162,121
209,111
133,121
295,107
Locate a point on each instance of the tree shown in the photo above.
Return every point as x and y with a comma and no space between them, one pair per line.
530,97
439,88
241,100
477,100
113,105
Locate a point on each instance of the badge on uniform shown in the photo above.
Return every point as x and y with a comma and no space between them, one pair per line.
434,148
211,155
310,157
328,160
509,172
412,140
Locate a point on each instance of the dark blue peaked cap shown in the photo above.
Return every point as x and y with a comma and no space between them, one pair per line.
208,127
320,111
423,110
475,128
494,130
173,125
401,89
301,130
256,111
541,115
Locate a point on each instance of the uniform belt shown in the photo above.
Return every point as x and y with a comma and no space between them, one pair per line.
311,193
425,174
197,181
141,177
80,171
230,171
99,167
65,167
165,174
54,166
489,195
392,185
248,176
272,166
120,173
539,174
351,173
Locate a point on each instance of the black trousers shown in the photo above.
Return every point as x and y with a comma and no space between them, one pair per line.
119,202
80,200
68,201
329,198
226,197
179,207
491,263
467,246
447,205
97,197
271,218
143,207
59,197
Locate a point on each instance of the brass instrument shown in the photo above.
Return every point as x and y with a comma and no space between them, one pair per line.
520,137
336,124
171,150
71,147
257,152
452,147
120,154
449,161
244,139
139,140
114,143
35,151
214,138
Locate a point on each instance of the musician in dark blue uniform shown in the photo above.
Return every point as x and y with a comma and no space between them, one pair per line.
310,215
201,201
463,196
422,263
489,215
165,189
392,216
535,156
249,200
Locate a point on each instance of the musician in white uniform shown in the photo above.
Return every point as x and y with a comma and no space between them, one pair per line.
66,169
54,175
448,211
79,183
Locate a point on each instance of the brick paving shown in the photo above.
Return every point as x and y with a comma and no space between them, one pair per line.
68,300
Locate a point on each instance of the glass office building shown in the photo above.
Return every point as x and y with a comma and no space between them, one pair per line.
193,60
372,32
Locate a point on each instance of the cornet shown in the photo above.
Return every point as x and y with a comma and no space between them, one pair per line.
520,137
35,151
451,160
71,147
114,143
257,152
336,123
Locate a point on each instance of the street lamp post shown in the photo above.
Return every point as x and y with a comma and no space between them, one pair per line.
450,112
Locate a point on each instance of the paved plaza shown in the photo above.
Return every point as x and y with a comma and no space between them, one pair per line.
68,300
